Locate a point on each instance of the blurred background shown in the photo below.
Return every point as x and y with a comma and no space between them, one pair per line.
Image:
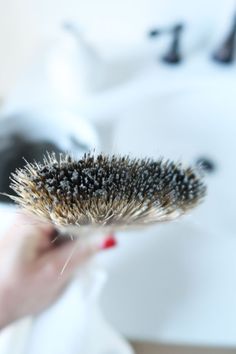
145,78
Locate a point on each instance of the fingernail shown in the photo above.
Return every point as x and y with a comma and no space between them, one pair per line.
109,242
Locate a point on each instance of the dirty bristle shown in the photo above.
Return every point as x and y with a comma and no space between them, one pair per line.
106,190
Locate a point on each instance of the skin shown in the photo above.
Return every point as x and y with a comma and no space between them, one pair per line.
30,267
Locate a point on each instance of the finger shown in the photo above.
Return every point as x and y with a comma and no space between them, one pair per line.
29,235
27,225
26,218
70,255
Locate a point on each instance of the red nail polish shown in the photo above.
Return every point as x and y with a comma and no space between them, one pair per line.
109,243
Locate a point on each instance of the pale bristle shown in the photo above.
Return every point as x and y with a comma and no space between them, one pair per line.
106,190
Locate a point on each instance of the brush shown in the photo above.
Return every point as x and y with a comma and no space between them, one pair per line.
114,192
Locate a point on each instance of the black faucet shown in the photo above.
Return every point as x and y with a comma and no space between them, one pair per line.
173,55
225,53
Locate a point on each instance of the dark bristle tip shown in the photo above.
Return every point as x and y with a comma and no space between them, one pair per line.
107,190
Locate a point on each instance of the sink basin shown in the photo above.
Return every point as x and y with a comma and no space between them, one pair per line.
176,282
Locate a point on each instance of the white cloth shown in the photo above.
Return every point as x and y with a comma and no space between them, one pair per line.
73,325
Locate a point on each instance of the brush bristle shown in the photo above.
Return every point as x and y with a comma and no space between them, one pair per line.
106,190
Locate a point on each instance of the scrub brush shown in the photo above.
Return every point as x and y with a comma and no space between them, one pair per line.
102,191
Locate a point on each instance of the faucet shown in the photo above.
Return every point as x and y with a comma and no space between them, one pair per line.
225,53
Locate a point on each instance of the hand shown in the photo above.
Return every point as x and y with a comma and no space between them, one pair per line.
31,264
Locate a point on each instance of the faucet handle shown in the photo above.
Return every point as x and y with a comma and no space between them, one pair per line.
226,51
173,55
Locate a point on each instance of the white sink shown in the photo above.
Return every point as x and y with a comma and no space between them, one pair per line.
176,282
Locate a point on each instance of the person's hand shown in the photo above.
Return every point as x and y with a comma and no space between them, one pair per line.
31,264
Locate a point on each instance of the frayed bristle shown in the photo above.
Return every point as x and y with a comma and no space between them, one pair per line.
106,190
